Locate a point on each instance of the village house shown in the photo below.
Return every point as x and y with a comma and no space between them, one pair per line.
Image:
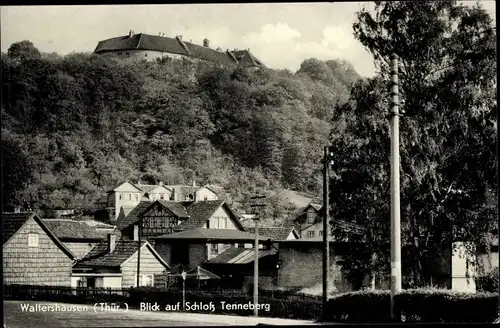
113,264
192,247
32,253
164,217
150,47
77,236
124,198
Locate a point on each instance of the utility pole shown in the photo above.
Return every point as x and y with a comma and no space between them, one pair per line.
256,202
139,249
326,228
395,191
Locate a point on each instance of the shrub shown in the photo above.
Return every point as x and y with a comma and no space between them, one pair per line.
360,306
489,282
418,305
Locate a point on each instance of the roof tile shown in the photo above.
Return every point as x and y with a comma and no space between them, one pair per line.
69,229
99,255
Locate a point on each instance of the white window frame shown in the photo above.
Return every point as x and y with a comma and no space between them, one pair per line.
311,234
141,279
33,240
321,233
216,223
214,249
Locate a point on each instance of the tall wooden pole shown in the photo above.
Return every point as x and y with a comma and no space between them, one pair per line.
395,191
139,224
258,205
256,271
326,229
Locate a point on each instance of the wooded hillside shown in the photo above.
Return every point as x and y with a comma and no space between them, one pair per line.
75,126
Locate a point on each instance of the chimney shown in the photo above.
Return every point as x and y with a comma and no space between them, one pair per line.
111,242
206,43
136,232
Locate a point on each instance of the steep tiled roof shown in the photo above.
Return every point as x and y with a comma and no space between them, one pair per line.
175,207
240,256
133,216
147,188
203,234
199,213
99,255
274,233
246,59
69,229
12,222
143,41
209,54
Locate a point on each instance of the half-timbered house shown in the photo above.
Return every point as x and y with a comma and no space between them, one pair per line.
152,219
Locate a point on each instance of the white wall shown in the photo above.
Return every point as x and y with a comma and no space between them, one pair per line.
205,194
462,273
147,55
221,220
317,228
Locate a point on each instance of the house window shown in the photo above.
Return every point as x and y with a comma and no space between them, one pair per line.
205,198
146,54
241,245
321,233
119,54
136,197
33,240
162,196
311,234
224,220
129,196
145,280
214,249
120,196
310,217
216,225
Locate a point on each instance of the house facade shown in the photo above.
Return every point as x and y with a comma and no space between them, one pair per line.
150,47
32,254
192,247
124,198
164,217
113,264
309,222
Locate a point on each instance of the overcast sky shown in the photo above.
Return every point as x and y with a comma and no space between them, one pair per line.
281,35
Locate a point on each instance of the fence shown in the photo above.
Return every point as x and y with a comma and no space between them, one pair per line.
281,304
31,292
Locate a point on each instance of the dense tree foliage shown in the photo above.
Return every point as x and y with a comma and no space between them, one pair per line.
75,126
447,66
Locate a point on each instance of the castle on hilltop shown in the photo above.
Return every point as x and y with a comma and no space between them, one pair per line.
150,47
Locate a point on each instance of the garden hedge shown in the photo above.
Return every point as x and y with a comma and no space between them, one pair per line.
419,305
